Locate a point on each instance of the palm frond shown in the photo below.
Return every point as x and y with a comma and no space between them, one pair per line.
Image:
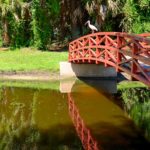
114,6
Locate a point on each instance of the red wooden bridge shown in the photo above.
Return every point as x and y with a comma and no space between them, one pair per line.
125,52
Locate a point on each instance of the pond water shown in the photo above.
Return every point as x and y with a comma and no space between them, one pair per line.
47,119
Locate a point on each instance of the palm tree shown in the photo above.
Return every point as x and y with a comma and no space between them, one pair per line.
4,11
101,9
15,9
73,16
75,13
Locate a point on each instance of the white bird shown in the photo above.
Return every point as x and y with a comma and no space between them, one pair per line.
92,27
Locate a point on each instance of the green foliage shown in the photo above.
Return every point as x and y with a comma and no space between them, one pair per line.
14,23
137,18
40,24
26,22
137,105
122,15
17,33
44,15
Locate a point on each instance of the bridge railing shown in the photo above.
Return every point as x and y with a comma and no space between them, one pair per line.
147,35
125,52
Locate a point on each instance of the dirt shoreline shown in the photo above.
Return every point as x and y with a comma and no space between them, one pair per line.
44,76
39,75
29,75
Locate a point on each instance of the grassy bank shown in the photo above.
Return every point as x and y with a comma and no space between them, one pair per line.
31,60
130,84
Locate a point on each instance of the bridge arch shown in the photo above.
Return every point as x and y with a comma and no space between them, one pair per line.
125,52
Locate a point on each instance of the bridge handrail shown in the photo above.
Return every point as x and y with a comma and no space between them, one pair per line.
121,34
144,35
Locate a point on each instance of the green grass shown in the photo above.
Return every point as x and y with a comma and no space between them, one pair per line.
130,84
31,60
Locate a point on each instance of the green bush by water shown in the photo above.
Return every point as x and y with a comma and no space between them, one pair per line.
137,105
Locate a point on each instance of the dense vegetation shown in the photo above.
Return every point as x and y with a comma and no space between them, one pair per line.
137,105
39,22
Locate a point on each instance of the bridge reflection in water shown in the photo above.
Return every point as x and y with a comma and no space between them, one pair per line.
39,119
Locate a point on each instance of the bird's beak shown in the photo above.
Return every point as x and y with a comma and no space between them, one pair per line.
86,23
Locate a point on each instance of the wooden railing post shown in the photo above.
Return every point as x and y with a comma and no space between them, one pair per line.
89,60
134,68
119,43
106,54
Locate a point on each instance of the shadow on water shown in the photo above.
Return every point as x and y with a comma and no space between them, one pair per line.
124,137
101,84
106,86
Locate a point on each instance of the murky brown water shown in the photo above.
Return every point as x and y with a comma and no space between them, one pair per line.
40,120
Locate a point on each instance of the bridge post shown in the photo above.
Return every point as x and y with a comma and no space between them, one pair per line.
134,68
90,44
119,43
106,54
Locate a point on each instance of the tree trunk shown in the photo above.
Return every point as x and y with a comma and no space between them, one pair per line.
6,37
75,31
72,18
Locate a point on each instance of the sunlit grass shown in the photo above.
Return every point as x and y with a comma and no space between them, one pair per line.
30,60
129,84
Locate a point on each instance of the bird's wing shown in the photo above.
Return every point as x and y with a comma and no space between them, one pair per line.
94,28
